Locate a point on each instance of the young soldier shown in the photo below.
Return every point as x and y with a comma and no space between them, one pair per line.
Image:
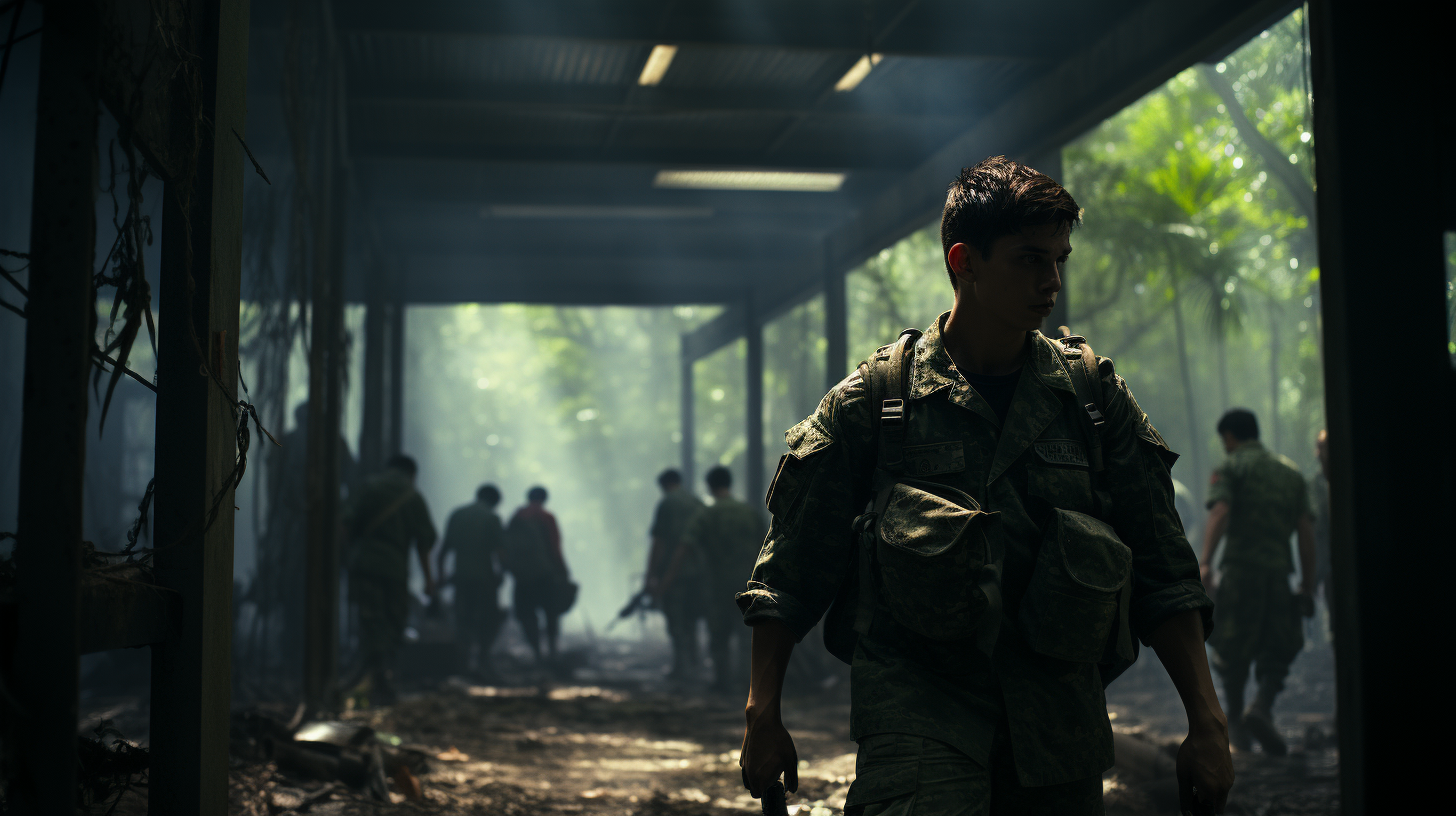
386,517
680,600
474,534
533,556
1013,549
727,536
1258,499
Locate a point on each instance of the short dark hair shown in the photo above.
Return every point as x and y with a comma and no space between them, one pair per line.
720,477
402,463
1000,197
1240,424
488,493
669,478
536,494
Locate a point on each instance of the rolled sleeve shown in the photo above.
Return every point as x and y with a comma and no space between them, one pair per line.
809,548
761,602
1165,569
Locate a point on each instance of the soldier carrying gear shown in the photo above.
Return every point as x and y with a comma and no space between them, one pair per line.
543,586
474,534
681,601
1258,499
988,518
386,516
726,538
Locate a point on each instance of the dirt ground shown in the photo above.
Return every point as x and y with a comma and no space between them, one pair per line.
618,739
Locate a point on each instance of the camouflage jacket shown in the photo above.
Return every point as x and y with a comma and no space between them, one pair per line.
728,534
1267,497
948,690
383,518
671,519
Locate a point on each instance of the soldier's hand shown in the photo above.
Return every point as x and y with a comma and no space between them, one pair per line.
1205,770
768,751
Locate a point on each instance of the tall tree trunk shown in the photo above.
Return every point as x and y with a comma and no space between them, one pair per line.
1195,447
1273,423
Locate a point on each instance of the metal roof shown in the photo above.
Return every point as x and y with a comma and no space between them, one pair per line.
505,150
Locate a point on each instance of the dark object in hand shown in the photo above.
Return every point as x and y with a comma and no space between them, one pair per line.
775,802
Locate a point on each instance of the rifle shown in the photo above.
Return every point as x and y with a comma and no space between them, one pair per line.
640,602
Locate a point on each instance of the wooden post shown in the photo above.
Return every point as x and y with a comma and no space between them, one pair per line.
196,442
754,475
686,407
1389,386
836,327
43,672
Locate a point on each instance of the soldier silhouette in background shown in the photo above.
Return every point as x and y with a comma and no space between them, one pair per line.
1258,499
384,518
682,601
726,537
474,533
543,587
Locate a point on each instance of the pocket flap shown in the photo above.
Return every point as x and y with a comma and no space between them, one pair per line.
926,522
1092,554
807,438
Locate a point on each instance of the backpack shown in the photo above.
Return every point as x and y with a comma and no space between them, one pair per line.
523,550
887,381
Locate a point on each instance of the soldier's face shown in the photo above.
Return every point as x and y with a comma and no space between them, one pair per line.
1018,284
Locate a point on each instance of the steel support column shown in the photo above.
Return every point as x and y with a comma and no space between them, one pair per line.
327,363
836,326
686,425
1061,315
1389,386
372,443
196,431
42,673
395,440
753,464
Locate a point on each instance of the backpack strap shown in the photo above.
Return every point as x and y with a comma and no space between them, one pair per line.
1080,363
889,385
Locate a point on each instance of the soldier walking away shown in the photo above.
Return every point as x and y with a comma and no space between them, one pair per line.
383,520
988,518
1258,499
681,601
474,533
726,537
543,587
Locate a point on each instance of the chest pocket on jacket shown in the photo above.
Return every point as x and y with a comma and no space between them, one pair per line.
1069,488
932,551
1076,607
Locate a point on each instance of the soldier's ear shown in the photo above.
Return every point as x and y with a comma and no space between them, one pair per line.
958,258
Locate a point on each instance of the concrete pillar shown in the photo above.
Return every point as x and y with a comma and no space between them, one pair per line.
753,464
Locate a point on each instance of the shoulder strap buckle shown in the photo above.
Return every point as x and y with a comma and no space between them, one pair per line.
892,413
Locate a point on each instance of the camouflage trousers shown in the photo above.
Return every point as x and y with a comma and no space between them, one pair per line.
1256,622
905,775
383,605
